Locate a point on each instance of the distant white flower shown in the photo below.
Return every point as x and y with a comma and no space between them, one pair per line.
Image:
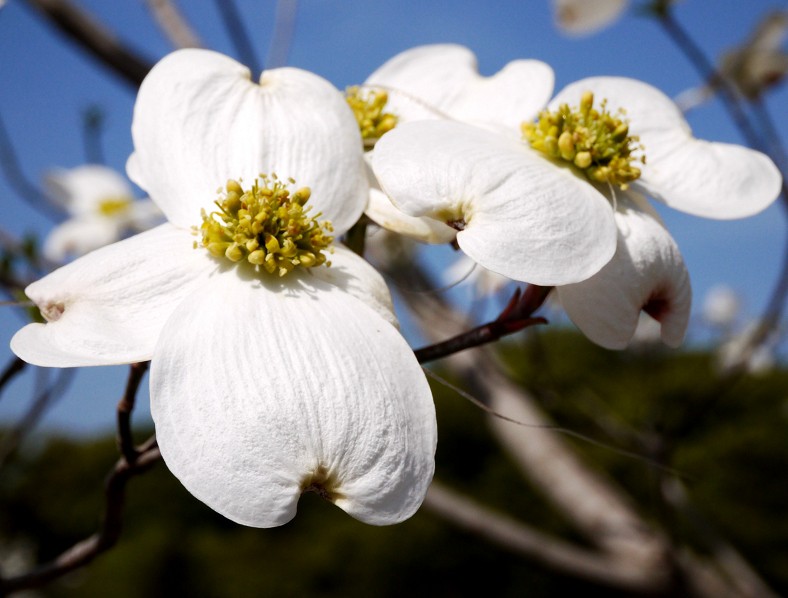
102,210
721,306
583,17
550,216
271,374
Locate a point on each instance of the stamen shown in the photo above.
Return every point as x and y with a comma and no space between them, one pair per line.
368,106
112,206
266,226
595,141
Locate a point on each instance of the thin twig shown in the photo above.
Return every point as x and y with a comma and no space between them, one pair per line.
89,33
238,36
14,367
515,317
45,399
24,188
125,407
104,538
174,25
539,547
284,31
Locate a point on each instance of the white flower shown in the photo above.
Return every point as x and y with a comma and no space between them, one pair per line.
102,210
263,386
721,306
547,216
583,17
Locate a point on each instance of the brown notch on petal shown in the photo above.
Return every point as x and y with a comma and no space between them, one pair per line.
323,483
52,311
458,224
657,307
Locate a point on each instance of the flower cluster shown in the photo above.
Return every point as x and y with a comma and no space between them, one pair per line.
274,374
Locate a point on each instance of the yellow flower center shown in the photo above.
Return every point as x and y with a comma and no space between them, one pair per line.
368,107
112,206
594,140
266,226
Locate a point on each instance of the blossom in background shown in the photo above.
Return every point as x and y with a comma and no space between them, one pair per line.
272,373
101,208
553,207
584,17
721,307
752,68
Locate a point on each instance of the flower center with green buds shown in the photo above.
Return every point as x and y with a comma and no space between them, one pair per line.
112,206
594,140
267,226
368,107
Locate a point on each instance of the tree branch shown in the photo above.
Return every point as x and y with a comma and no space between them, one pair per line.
89,33
108,533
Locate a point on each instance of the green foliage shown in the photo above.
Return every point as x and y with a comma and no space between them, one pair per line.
728,443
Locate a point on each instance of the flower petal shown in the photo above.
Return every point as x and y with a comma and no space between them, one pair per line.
80,190
80,235
108,307
263,389
200,120
713,180
646,273
357,277
388,216
580,17
446,76
523,216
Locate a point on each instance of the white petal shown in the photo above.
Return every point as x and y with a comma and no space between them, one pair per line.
357,277
526,218
387,215
108,307
714,180
646,273
446,77
143,214
80,235
200,120
262,383
587,16
80,190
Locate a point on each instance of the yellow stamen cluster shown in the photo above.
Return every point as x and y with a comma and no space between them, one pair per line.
266,226
112,206
595,141
368,107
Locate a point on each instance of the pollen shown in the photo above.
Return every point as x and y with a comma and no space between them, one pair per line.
113,206
268,226
369,109
593,140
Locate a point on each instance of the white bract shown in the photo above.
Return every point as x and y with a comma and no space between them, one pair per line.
102,210
583,17
545,209
272,373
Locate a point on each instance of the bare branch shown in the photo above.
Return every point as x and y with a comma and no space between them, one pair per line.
284,31
89,33
14,367
108,533
125,407
238,35
515,317
174,24
539,547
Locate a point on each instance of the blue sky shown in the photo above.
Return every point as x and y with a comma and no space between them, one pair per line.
47,84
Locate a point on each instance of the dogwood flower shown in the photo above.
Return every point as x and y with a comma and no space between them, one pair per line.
583,17
272,373
544,208
102,208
